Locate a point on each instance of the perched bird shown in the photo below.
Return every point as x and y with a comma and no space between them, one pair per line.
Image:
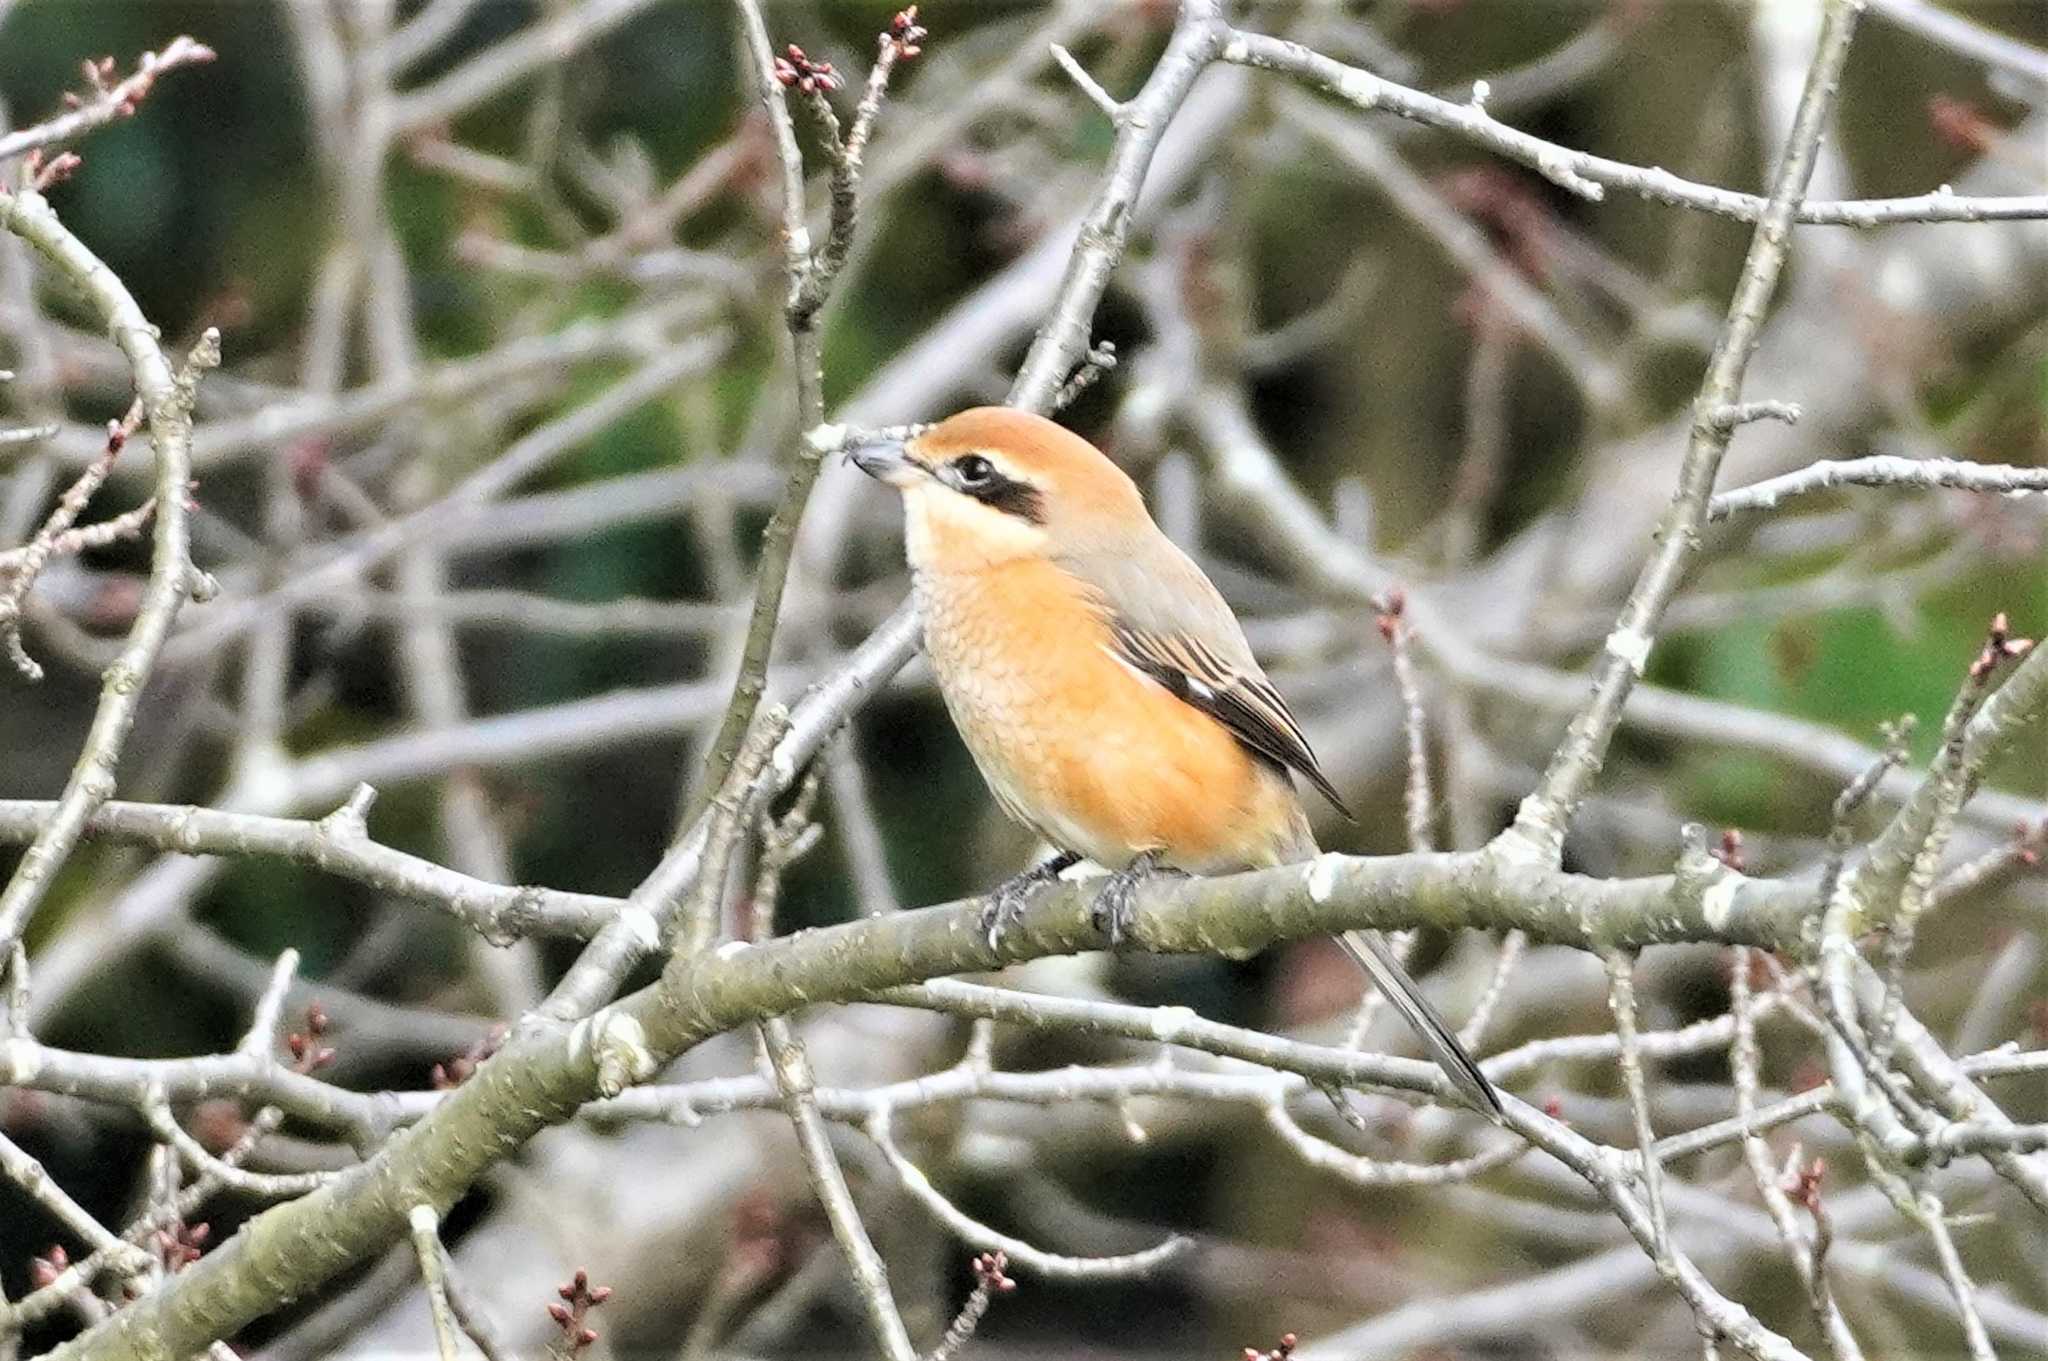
1103,686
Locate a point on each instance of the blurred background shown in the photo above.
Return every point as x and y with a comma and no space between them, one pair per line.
1478,379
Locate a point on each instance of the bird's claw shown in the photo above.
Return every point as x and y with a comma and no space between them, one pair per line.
1007,903
1115,914
1002,910
1116,906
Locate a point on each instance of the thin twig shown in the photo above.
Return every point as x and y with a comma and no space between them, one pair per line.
1512,947
793,1076
196,1157
1948,774
1881,470
166,395
1062,339
1932,1218
2023,851
29,1176
1380,1172
19,567
1966,37
808,281
1842,813
1621,999
111,100
426,1243
2010,711
1060,1266
1809,1261
469,1316
899,42
1101,98
1590,176
1417,800
787,838
989,1282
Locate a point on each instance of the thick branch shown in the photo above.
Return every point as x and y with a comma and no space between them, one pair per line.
548,1070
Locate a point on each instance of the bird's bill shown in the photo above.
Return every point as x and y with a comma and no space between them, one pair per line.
885,460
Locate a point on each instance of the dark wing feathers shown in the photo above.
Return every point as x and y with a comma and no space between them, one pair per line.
1167,619
1235,695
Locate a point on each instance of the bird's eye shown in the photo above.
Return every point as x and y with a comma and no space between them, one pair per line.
973,470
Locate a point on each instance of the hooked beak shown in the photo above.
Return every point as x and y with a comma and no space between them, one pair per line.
885,460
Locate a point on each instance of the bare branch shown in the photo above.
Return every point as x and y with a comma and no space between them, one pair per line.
989,1281
1881,470
28,1175
110,100
1591,176
166,396
1101,98
1063,338
787,837
1809,1261
793,1077
512,59
808,278
1621,1000
1966,37
339,844
426,1243
1059,1266
19,567
382,515
1540,823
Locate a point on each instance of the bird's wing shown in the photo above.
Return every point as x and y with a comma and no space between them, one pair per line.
1168,621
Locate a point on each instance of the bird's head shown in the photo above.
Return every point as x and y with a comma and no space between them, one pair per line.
994,484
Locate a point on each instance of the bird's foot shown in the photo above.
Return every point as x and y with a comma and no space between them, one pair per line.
1116,907
1006,904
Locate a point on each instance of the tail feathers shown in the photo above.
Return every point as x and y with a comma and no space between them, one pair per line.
1369,948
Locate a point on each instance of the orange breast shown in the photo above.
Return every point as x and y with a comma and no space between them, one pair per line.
1094,756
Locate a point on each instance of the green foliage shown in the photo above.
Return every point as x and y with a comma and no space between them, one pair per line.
1854,669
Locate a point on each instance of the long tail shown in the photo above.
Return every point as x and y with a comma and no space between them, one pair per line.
1369,948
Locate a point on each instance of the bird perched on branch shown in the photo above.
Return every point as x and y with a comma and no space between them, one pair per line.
1102,684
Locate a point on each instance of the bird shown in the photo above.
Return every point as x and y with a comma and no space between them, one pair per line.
1102,684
